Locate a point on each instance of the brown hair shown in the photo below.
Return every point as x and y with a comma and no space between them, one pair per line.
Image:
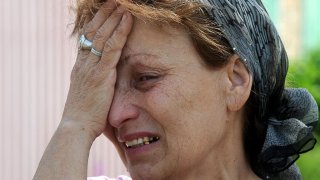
190,15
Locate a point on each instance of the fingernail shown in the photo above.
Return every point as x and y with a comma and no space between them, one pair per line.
124,16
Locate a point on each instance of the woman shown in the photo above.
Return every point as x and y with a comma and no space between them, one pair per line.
184,90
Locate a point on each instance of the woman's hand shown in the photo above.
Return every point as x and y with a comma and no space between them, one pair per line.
93,78
90,95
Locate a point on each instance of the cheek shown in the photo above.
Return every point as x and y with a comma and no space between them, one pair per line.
167,104
191,114
187,104
202,112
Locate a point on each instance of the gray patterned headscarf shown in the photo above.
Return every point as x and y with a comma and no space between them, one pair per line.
288,115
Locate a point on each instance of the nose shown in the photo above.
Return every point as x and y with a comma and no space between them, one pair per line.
122,109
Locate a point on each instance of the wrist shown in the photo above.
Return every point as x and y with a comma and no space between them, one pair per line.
70,128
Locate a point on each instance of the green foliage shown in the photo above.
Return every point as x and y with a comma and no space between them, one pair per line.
305,73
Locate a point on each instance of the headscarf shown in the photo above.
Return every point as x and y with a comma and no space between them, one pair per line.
249,30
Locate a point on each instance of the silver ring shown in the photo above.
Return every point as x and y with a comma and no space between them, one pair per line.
84,43
95,52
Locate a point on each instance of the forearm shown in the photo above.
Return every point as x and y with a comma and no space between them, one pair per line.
66,156
90,96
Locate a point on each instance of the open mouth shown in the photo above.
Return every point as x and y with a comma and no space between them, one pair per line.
141,142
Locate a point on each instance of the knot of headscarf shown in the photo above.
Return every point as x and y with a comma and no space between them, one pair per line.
249,30
289,134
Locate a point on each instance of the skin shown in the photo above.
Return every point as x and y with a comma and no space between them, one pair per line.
151,79
157,91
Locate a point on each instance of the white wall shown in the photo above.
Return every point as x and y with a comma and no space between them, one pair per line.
36,57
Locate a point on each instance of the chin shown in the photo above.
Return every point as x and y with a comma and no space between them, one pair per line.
141,172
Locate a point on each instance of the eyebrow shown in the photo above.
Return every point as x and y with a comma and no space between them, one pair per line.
146,56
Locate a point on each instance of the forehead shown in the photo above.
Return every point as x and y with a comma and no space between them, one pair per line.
149,37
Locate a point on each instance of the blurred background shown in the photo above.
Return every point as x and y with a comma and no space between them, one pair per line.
37,55
299,26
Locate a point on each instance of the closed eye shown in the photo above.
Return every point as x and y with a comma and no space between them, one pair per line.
145,82
147,77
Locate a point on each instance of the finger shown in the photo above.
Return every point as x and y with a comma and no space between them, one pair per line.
94,24
105,31
100,17
114,45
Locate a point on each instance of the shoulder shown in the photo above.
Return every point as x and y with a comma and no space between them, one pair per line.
108,178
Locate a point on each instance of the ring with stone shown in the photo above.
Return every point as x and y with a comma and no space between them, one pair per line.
84,43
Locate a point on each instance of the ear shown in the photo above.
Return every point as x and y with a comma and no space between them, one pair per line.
239,83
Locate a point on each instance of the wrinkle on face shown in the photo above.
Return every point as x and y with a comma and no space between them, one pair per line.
186,107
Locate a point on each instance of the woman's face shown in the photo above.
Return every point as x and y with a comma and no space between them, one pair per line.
169,113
